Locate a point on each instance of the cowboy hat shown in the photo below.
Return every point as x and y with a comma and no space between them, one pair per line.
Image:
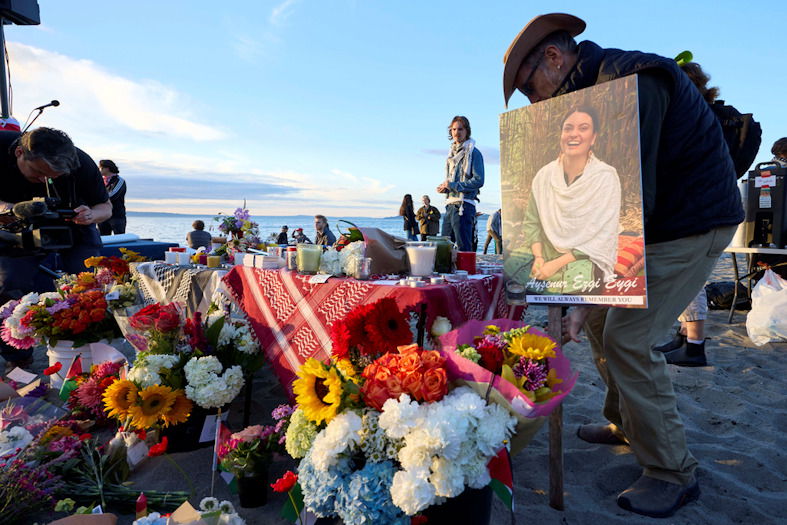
527,39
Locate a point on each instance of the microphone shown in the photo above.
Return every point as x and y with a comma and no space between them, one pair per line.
27,209
54,103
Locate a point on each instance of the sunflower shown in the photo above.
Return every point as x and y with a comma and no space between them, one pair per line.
180,410
318,391
532,346
154,401
118,398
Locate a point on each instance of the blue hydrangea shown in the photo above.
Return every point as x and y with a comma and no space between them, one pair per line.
320,488
366,497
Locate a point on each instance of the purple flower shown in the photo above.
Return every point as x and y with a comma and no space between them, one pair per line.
60,305
282,411
534,372
242,214
39,391
8,309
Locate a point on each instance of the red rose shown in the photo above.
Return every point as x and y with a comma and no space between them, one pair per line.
432,359
491,358
394,386
435,384
167,321
286,482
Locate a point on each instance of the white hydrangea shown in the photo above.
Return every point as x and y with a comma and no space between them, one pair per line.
411,492
147,368
340,436
207,386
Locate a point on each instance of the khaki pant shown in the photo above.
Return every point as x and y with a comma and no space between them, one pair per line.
640,399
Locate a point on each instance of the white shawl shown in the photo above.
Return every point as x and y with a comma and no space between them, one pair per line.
459,154
584,216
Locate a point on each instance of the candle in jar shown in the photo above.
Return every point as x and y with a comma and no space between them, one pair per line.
308,258
214,261
421,256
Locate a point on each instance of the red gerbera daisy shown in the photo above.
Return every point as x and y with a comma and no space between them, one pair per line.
387,326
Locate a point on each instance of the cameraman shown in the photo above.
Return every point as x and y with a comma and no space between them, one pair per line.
30,164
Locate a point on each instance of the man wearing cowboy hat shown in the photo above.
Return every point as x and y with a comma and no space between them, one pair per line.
691,207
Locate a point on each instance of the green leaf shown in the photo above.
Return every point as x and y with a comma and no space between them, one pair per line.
289,511
684,57
213,331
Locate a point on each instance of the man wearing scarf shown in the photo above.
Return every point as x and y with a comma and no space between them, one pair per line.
464,177
691,208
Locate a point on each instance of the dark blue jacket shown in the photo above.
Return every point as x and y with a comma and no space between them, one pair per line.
692,187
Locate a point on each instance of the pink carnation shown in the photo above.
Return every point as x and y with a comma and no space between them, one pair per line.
22,344
107,369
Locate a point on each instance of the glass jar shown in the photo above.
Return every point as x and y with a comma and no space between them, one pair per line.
443,263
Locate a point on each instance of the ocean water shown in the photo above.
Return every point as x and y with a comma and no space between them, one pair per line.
174,227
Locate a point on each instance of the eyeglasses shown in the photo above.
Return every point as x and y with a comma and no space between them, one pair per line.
526,87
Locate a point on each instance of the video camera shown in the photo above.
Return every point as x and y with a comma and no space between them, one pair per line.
36,226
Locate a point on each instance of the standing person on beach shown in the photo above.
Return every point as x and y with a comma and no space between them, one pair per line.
408,214
116,187
494,231
464,177
691,207
282,238
428,218
324,235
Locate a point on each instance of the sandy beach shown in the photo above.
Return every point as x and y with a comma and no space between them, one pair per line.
734,410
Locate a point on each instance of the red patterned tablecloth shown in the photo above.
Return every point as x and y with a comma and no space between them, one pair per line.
292,316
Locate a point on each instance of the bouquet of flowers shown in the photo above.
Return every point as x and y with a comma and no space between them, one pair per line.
516,366
243,232
386,443
249,452
86,400
81,317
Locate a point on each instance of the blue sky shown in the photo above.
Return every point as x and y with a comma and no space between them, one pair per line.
335,107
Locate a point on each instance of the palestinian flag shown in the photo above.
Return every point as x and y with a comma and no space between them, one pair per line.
69,382
502,477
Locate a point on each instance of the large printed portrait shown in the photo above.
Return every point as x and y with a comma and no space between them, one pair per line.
572,199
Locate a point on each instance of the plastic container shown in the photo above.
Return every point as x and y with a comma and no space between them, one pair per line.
64,353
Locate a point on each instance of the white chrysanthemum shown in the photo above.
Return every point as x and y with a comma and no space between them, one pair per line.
447,478
476,473
411,492
206,387
400,416
147,368
340,436
494,429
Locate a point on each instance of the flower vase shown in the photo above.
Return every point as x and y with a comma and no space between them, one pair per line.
185,437
471,506
253,490
63,352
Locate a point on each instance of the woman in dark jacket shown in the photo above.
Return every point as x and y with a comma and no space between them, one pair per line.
410,224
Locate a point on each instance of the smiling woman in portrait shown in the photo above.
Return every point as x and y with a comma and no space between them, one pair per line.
572,221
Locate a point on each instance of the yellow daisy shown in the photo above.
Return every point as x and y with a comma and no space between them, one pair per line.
318,391
347,369
118,397
180,410
154,401
532,346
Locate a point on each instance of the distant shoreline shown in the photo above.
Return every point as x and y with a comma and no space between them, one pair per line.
294,217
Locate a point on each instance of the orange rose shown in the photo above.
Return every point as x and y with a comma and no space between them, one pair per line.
413,384
394,386
381,374
374,394
435,384
370,370
410,362
432,359
407,348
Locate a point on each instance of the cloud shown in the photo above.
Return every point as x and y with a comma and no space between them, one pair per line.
281,12
90,94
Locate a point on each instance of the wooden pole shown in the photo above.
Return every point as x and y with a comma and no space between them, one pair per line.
556,425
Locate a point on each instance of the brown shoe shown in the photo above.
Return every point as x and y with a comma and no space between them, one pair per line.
602,434
656,498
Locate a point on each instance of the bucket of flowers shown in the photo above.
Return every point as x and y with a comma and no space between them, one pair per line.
516,366
383,436
206,360
248,454
64,321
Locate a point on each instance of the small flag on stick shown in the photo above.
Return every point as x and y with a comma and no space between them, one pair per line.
69,382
